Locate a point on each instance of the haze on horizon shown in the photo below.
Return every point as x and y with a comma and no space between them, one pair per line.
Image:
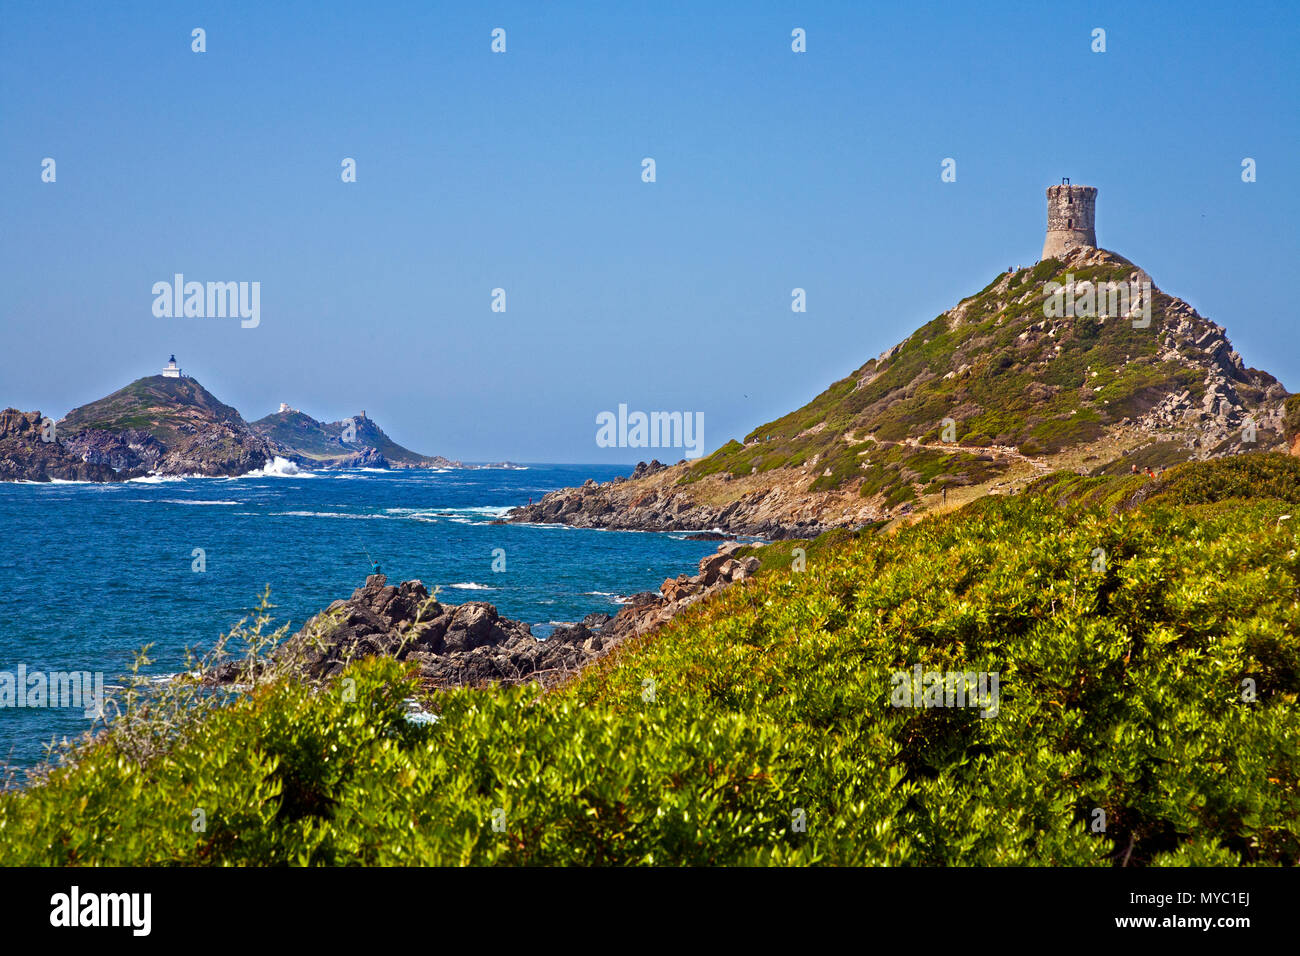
522,170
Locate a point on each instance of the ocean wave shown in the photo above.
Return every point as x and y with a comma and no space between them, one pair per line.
476,511
453,510
159,479
278,467
52,481
331,514
188,501
608,596
472,586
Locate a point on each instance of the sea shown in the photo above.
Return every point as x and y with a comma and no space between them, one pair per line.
91,573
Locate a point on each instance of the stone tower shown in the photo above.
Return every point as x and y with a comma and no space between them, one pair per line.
1071,218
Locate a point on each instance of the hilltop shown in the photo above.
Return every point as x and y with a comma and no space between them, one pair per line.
164,425
1023,394
351,443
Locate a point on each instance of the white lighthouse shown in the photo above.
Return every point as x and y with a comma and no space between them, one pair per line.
171,369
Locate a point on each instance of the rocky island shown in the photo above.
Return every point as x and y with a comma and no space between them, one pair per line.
355,442
169,424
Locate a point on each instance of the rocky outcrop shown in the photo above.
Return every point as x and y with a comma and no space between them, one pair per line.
169,426
131,450
471,644
26,456
216,451
1291,423
653,500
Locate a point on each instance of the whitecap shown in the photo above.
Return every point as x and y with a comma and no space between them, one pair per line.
278,468
609,596
158,479
187,501
330,514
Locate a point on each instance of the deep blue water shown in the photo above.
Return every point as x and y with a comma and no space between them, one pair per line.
89,573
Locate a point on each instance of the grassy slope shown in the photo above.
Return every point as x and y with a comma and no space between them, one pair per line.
1020,391
1121,691
154,404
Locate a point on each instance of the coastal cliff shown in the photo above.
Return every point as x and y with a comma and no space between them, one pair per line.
26,456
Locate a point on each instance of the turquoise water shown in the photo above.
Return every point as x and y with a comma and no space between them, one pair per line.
89,573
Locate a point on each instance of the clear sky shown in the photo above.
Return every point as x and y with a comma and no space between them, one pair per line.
522,171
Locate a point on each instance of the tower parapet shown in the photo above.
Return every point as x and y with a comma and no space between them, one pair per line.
1071,219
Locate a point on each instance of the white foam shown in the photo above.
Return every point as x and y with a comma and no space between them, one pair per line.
609,596
331,514
278,467
471,586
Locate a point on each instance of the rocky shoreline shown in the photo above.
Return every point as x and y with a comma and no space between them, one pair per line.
26,456
650,500
471,644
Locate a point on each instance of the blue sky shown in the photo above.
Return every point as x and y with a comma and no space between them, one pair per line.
522,171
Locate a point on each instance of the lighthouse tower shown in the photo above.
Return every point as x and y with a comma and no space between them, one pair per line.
1071,218
171,369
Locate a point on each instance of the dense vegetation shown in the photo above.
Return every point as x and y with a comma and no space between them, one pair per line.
166,407
1252,476
1149,669
1003,372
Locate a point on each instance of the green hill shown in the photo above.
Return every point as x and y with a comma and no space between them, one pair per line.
164,407
1008,376
355,441
1148,666
168,425
986,397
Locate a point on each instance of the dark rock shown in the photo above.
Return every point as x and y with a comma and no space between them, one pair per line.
26,456
471,644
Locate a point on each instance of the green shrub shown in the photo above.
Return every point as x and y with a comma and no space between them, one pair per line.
769,706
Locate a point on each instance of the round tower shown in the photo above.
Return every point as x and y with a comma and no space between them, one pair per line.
1071,218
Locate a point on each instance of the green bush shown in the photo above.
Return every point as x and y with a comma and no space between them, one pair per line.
710,742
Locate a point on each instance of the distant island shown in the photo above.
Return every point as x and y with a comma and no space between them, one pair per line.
351,443
169,424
